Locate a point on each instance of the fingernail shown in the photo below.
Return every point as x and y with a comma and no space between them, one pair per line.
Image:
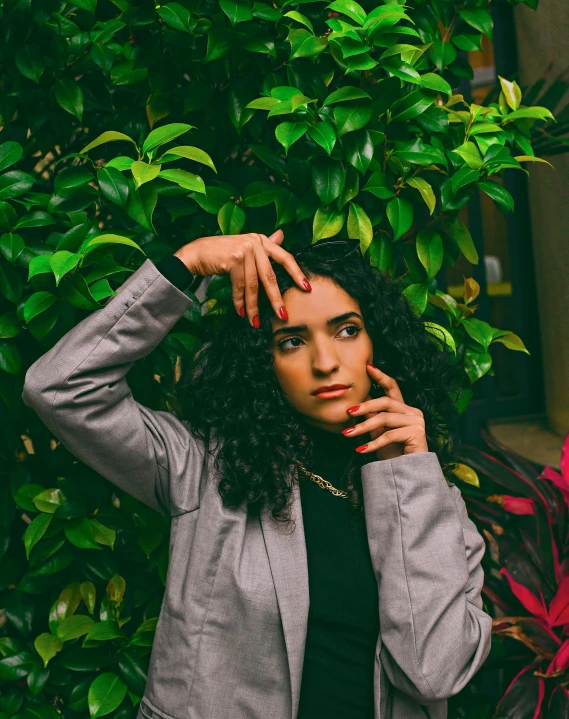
349,430
283,313
369,364
354,409
361,449
242,311
256,322
306,285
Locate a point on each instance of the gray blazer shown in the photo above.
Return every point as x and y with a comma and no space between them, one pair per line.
230,638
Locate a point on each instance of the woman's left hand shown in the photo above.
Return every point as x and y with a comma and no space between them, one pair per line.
395,428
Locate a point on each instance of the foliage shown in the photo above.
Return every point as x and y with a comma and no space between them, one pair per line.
523,511
327,120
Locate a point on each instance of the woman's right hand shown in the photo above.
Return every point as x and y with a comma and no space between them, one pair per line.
246,259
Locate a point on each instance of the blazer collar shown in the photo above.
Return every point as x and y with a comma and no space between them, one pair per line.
286,550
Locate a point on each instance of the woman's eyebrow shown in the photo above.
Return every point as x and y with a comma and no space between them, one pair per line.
303,328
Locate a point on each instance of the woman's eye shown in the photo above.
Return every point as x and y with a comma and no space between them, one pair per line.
282,344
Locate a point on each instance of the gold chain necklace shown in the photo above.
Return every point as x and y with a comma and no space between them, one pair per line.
321,482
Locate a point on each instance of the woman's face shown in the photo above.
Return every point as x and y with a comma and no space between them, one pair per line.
314,348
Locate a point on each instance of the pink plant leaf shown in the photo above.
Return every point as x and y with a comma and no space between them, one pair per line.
559,605
560,661
528,599
518,505
565,460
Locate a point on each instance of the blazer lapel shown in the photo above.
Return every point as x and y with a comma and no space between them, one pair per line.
286,550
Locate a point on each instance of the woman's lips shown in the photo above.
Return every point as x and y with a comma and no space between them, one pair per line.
332,393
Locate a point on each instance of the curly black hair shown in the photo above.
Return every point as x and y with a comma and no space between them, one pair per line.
230,392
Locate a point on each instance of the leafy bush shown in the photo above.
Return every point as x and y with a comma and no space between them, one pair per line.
337,120
523,513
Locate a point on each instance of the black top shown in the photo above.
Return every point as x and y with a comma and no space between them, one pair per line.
176,271
343,619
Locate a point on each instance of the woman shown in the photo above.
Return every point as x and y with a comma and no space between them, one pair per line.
314,572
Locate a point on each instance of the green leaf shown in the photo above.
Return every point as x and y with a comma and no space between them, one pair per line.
498,193
69,96
463,238
359,226
190,153
30,62
324,135
302,19
231,218
285,203
287,133
530,158
430,251
442,335
351,187
476,364
88,595
400,216
328,179
442,54
470,154
511,341
262,103
259,194
512,92
80,533
376,185
47,646
176,16
109,136
358,149
184,179
105,694
529,113
465,176
110,240
426,192
35,531
143,172
14,183
432,81
416,295
304,44
37,303
349,119
105,631
411,106
103,535
236,10
113,185
350,8
344,94
479,19
380,253
327,223
49,500
74,626
10,153
480,331
162,135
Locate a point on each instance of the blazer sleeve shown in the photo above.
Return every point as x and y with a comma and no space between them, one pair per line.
426,553
79,390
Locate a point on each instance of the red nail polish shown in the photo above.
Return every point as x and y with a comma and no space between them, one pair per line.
283,313
353,409
242,311
306,285
349,430
256,322
361,449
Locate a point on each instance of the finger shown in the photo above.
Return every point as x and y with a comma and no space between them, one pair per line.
237,276
384,404
277,237
389,385
384,420
251,283
285,259
268,277
401,435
